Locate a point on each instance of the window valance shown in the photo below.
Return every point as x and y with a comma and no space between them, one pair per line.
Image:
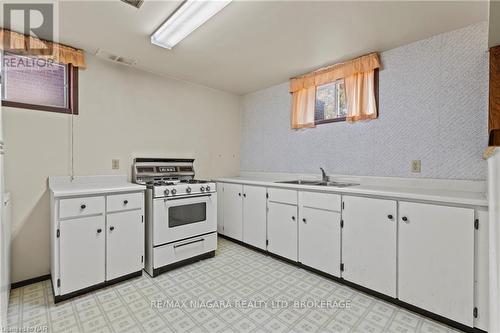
21,44
335,72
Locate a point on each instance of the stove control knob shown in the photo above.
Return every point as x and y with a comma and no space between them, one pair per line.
188,189
166,192
174,191
208,188
202,188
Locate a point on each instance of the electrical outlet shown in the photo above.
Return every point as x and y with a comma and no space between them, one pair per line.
115,164
416,166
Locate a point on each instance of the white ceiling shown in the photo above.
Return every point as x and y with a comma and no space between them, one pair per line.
251,45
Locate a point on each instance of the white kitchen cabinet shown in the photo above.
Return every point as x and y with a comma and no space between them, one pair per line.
282,230
254,216
232,211
242,213
481,262
319,240
82,244
124,243
97,232
319,231
369,243
436,259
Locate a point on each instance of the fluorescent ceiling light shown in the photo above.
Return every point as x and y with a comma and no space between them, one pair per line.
187,18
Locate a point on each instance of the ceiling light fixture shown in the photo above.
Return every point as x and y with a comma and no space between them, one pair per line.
188,17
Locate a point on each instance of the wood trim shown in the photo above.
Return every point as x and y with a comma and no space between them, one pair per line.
35,107
73,89
494,104
327,121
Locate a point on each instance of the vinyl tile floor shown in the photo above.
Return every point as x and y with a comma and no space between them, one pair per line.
239,290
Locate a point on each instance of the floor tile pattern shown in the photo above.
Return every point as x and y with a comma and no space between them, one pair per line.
239,290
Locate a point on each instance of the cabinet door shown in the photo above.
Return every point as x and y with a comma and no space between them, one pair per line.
282,230
232,198
369,243
125,243
436,259
81,253
319,240
254,216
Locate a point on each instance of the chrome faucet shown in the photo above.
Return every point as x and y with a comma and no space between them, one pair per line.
324,177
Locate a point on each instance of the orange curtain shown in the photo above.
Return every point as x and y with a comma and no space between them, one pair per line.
303,102
358,75
28,45
360,96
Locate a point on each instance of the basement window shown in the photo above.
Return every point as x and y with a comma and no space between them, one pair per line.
39,84
330,103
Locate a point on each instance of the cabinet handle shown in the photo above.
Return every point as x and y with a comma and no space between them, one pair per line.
99,230
304,220
111,228
244,195
390,217
83,206
125,202
293,218
404,218
239,194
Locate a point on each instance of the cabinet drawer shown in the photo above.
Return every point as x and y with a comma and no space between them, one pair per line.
320,200
124,201
282,195
188,248
75,207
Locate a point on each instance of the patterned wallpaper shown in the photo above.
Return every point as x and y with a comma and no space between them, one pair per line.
433,107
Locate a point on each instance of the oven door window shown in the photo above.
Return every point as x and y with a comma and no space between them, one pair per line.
186,214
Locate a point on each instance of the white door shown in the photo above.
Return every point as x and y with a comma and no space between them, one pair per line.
254,216
232,198
369,243
319,240
81,253
282,230
436,259
125,243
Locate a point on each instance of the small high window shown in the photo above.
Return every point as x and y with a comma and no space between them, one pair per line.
39,84
330,103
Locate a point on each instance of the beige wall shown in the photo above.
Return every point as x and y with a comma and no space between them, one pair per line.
494,31
123,113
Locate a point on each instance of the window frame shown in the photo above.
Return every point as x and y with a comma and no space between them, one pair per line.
72,96
340,119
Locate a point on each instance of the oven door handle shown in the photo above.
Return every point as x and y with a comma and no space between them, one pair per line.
187,197
188,243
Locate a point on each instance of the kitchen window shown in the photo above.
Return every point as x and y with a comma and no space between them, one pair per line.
39,84
330,104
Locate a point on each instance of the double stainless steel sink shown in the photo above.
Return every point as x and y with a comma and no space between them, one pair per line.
317,183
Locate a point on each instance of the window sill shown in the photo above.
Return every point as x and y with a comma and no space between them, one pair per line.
38,107
327,121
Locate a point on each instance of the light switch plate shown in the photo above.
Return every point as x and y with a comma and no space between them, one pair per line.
115,164
416,166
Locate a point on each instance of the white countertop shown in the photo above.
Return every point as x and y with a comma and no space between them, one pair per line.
88,185
454,196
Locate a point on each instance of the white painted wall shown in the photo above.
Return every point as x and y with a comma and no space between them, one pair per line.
433,108
123,113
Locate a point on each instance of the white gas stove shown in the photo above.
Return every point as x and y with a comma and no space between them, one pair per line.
181,213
